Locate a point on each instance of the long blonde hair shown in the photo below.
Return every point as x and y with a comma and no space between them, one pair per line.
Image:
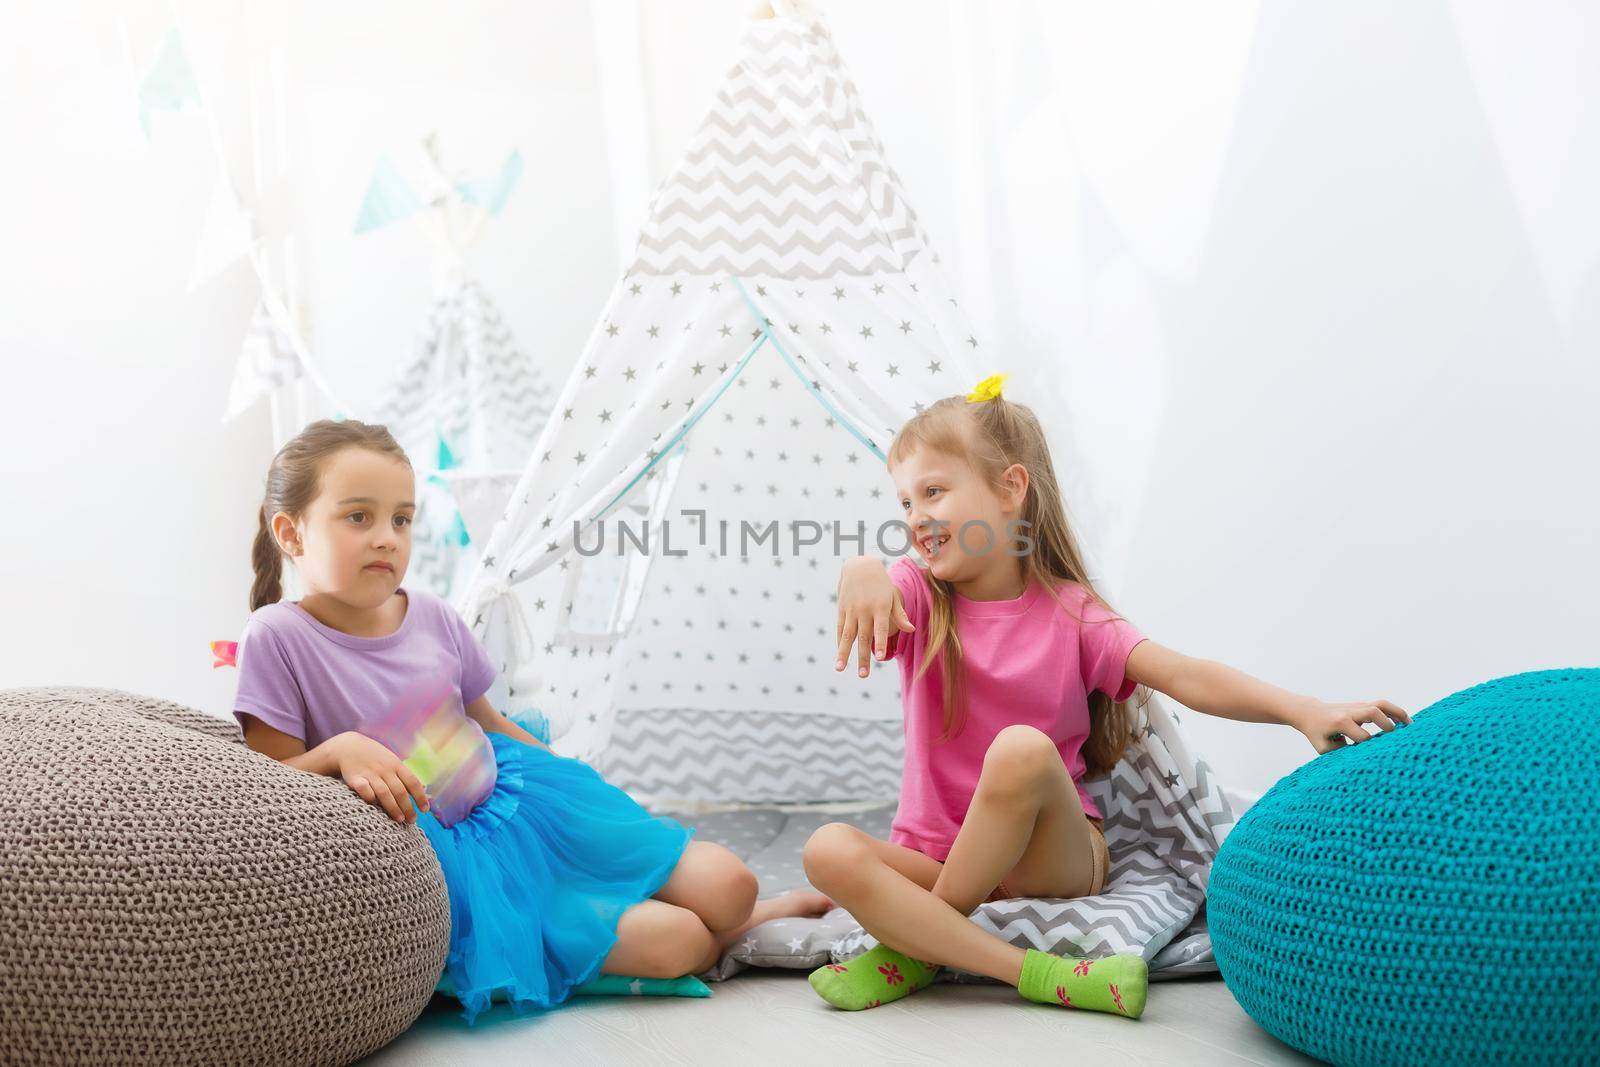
993,435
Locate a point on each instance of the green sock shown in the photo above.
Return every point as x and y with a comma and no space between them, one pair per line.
875,977
1115,984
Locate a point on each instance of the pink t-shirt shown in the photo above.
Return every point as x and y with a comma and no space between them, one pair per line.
1027,662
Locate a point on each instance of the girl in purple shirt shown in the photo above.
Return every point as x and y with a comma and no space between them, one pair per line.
1014,677
554,875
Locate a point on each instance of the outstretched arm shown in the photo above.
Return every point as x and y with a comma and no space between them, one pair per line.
1217,689
484,714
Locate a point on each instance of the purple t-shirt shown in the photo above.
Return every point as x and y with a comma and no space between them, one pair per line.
408,689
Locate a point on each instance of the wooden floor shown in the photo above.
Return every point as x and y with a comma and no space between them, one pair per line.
763,1017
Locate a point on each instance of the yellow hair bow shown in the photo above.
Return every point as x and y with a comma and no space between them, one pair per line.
988,389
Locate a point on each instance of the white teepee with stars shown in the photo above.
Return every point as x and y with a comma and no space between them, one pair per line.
784,316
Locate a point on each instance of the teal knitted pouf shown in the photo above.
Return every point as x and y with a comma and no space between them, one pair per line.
1430,895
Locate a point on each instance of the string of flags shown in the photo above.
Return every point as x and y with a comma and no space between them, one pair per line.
169,83
250,216
272,354
390,198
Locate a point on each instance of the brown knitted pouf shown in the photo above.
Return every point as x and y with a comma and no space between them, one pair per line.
169,896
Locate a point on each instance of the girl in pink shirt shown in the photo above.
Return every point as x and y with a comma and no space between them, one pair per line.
1015,675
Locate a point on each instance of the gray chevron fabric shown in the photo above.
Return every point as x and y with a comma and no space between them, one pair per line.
785,177
266,362
468,385
684,755
468,382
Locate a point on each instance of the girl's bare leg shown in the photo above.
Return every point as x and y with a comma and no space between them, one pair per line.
1020,827
660,940
714,884
707,905
1026,826
845,863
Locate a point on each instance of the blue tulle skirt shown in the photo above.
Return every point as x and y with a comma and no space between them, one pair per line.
539,873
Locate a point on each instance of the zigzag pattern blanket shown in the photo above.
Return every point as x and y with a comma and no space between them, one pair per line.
1166,816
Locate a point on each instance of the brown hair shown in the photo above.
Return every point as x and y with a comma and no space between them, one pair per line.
293,481
992,435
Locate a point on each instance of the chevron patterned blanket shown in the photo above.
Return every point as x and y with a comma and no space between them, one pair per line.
1166,816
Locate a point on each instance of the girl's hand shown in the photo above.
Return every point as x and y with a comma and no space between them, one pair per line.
378,776
1329,726
869,607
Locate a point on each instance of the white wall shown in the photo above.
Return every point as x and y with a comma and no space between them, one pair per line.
1311,292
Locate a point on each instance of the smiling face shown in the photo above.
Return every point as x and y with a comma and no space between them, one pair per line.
353,542
939,494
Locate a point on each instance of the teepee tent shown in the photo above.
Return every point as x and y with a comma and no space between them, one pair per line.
468,385
469,402
784,315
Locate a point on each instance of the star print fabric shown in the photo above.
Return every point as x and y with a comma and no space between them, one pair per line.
743,421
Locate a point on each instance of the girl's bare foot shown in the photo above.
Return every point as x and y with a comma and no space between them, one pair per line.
795,904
